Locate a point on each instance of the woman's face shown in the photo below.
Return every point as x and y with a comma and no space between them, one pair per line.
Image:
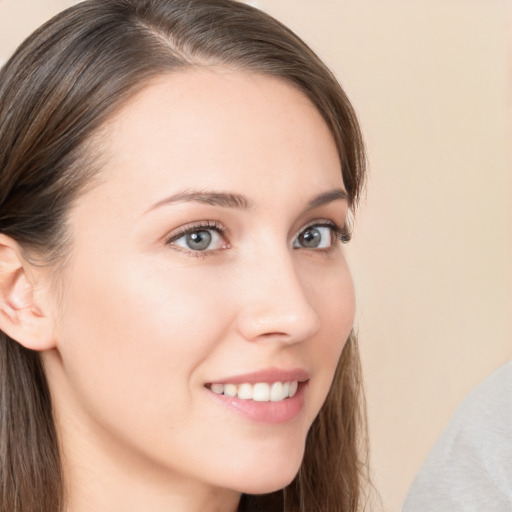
206,262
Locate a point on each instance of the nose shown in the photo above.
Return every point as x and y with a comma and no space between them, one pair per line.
276,305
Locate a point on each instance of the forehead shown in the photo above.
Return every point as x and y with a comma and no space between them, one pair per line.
220,129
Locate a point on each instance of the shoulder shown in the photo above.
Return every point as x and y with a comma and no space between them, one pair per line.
470,467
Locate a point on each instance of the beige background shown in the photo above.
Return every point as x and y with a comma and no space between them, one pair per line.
432,252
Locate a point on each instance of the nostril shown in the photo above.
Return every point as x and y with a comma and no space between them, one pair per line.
273,326
276,306
271,334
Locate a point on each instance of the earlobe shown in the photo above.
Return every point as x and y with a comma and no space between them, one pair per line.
21,317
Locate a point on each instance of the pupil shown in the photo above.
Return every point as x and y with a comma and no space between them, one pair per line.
310,238
199,241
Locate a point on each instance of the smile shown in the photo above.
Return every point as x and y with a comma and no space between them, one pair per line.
270,396
258,392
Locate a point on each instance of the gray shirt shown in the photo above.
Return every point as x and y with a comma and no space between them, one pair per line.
470,467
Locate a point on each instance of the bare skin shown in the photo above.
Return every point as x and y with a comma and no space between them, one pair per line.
168,290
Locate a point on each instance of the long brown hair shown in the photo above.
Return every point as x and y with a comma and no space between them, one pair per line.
56,91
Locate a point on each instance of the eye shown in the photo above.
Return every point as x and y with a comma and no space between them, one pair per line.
319,236
199,238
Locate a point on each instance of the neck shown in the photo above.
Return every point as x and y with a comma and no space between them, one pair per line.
99,482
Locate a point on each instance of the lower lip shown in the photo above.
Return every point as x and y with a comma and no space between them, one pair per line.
266,412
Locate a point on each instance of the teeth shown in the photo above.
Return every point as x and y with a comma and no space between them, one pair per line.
276,392
259,392
245,391
230,389
218,388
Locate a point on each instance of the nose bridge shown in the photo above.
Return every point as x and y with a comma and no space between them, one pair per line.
276,304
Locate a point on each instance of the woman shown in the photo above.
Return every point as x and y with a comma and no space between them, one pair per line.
176,310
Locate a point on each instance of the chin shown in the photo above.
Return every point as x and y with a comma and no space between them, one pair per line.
267,487
269,478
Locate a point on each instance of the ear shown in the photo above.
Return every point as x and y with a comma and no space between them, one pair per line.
22,316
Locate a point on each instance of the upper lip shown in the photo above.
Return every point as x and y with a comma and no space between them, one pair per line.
266,375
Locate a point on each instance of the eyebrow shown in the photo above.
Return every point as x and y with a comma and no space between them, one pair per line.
238,201
223,199
327,197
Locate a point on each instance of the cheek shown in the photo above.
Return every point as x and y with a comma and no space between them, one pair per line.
332,295
330,291
145,330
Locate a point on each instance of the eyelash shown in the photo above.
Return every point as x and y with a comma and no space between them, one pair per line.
189,229
342,234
